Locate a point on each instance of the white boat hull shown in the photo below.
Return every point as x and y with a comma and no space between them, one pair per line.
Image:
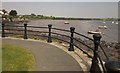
93,32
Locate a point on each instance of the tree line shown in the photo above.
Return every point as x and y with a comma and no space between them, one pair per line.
9,15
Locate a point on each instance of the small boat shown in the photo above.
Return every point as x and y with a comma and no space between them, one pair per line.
116,23
102,27
113,22
104,22
94,32
66,22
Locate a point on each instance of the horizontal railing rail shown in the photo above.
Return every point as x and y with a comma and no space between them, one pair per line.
60,34
61,29
84,44
13,26
36,27
83,36
104,52
84,51
101,62
13,29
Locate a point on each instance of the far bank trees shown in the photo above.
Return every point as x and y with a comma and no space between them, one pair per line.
12,14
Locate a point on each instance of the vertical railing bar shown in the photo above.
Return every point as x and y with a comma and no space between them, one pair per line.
49,34
3,31
71,48
25,31
94,67
104,52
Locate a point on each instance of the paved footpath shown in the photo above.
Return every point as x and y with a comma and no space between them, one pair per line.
48,57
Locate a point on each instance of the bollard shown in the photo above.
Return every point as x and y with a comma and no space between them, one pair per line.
3,31
71,48
25,31
49,34
94,67
113,66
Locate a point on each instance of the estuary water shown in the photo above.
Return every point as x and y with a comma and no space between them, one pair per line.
82,26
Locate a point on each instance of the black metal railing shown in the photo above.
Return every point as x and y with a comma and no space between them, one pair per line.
97,65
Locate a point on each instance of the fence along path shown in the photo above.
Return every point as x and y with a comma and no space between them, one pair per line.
96,58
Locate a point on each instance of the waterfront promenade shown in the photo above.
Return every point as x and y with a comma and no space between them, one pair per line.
47,56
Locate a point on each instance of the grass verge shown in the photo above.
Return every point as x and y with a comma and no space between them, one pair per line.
15,58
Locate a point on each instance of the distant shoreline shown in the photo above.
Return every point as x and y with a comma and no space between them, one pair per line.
29,20
26,18
34,17
74,19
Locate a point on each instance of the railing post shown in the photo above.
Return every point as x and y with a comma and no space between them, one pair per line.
3,31
25,31
49,34
71,48
94,67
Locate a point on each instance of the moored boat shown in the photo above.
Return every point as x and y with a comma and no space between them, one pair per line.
66,22
102,27
113,22
94,32
116,23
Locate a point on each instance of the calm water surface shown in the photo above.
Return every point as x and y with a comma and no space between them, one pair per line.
82,26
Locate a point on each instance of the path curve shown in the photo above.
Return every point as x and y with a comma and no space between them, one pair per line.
48,57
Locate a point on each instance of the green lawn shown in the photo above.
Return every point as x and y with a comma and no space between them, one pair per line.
15,58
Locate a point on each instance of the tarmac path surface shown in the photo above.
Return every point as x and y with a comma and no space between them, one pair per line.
47,56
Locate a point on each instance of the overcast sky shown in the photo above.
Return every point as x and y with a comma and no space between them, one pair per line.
60,0
67,9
